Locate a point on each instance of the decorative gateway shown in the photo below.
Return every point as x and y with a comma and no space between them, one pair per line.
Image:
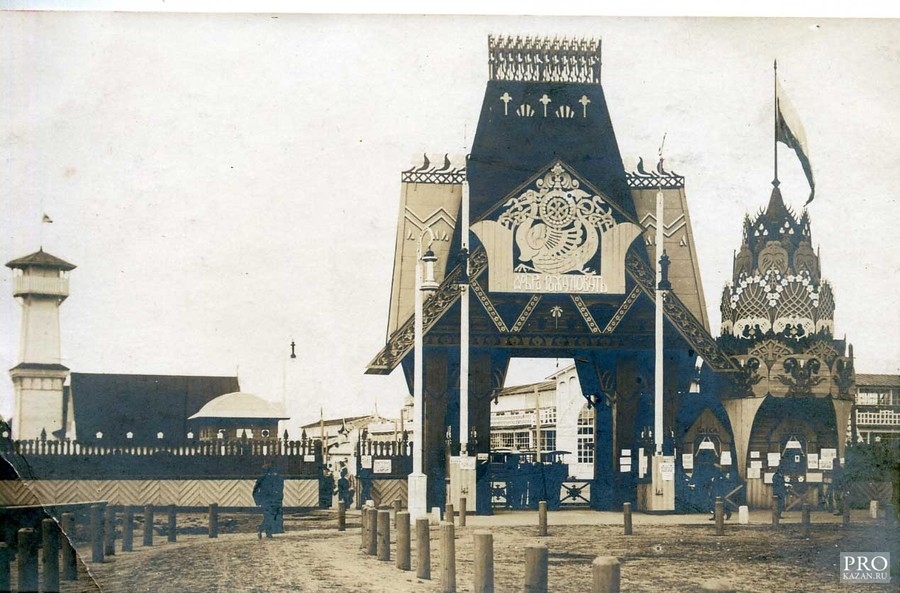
555,237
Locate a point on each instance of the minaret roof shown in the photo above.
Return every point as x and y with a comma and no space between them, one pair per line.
776,210
40,259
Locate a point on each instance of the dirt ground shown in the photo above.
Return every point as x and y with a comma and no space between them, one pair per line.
664,554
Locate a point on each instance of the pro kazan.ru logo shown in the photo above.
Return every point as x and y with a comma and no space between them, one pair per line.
866,567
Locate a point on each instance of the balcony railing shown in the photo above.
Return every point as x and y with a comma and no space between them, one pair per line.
52,286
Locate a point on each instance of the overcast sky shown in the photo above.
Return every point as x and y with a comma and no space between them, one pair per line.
228,183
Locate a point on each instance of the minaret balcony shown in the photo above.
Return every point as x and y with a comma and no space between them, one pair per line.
27,285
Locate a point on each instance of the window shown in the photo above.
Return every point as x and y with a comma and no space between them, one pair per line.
523,440
586,435
548,440
548,416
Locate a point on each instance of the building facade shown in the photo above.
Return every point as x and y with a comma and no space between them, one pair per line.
876,416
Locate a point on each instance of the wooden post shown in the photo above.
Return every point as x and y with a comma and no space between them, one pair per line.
372,520
484,562
606,573
109,530
364,527
342,516
542,518
69,558
5,579
49,556
128,528
214,520
403,561
27,560
805,518
626,512
423,548
148,525
775,516
536,568
172,529
398,506
96,533
462,511
448,557
383,545
450,514
720,516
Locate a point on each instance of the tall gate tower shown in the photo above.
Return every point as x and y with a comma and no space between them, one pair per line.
561,263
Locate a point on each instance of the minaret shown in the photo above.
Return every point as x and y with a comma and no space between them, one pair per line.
41,283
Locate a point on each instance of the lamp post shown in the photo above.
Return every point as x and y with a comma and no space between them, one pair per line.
418,481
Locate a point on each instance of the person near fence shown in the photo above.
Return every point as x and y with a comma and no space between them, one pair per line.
779,490
344,491
838,492
268,494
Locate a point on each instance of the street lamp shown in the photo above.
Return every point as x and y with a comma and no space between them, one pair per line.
418,481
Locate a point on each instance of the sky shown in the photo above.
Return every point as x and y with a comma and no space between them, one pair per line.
228,183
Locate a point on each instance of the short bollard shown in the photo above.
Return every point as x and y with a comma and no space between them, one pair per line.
342,516
873,509
49,556
69,558
403,561
128,529
448,557
364,528
383,545
536,569
720,516
172,529
775,515
213,520
5,580
626,513
435,516
484,562
450,514
398,506
845,518
805,520
605,574
462,511
27,560
743,514
109,531
96,533
542,518
148,526
372,522
423,548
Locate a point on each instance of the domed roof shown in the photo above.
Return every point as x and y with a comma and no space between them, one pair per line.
240,405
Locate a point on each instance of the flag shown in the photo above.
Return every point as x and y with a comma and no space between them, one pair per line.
790,132
47,219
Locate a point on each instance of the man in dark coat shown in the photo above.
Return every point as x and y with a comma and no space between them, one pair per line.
268,494
779,490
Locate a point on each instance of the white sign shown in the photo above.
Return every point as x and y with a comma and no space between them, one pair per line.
667,470
687,461
754,454
381,466
756,463
626,452
774,459
814,477
309,458
826,463
642,463
624,468
812,461
365,462
753,473
467,463
726,458
624,460
767,477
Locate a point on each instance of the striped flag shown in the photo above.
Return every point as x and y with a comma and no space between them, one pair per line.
789,131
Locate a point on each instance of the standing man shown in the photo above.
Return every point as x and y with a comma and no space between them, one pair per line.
268,493
779,490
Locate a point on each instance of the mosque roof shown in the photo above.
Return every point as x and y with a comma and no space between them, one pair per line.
40,259
240,404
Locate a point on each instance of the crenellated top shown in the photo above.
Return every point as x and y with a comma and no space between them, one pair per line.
544,59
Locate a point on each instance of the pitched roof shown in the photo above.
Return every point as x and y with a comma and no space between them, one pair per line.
873,380
40,259
240,405
141,404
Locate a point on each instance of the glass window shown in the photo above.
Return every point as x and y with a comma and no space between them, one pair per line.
586,435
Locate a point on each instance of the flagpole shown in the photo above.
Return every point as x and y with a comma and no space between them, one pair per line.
775,182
